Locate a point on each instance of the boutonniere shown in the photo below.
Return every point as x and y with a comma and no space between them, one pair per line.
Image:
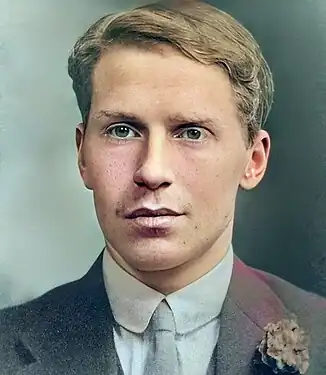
284,350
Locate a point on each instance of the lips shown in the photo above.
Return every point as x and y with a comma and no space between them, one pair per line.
148,222
146,212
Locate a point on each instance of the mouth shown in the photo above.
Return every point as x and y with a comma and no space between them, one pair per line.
146,212
147,220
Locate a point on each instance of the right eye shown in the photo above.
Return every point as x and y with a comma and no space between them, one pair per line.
121,132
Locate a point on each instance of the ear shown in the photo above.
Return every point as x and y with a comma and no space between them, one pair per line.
258,155
82,166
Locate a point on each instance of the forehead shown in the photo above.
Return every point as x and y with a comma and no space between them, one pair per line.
133,79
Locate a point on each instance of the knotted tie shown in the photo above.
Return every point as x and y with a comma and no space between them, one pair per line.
162,359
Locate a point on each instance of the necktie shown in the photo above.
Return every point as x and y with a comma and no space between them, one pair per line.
163,358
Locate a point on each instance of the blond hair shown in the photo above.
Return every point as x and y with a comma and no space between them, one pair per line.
199,31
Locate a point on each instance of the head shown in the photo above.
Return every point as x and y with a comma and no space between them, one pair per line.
173,100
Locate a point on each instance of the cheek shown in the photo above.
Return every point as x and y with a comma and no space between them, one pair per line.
212,183
109,173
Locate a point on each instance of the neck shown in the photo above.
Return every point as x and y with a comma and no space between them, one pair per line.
171,280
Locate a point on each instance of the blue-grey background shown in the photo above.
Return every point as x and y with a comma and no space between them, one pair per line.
48,230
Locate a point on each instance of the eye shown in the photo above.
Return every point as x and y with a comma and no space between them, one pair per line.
121,131
193,134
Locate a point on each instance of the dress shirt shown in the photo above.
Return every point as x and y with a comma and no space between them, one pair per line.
196,310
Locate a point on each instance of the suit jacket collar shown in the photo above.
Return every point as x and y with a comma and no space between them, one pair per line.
249,306
83,341
79,337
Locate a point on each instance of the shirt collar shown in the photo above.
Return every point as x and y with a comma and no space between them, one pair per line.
133,303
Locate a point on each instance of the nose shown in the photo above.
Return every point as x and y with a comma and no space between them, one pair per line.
154,169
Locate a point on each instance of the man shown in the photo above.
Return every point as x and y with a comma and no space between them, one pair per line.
173,99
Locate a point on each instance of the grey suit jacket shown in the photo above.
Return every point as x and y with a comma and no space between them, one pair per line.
69,329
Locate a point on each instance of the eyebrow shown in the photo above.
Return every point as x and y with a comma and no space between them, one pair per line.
117,115
176,118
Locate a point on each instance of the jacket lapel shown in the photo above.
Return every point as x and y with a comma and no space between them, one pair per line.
249,306
79,339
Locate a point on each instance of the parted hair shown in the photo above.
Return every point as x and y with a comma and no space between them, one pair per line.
197,30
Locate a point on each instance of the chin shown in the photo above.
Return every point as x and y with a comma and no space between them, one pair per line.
153,267
155,260
149,254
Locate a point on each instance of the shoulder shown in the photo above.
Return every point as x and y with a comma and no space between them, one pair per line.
292,296
47,317
38,314
58,310
261,286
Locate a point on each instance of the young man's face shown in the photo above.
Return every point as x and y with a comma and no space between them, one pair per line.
164,138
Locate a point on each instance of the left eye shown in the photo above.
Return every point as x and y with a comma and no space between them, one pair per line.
192,134
121,131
